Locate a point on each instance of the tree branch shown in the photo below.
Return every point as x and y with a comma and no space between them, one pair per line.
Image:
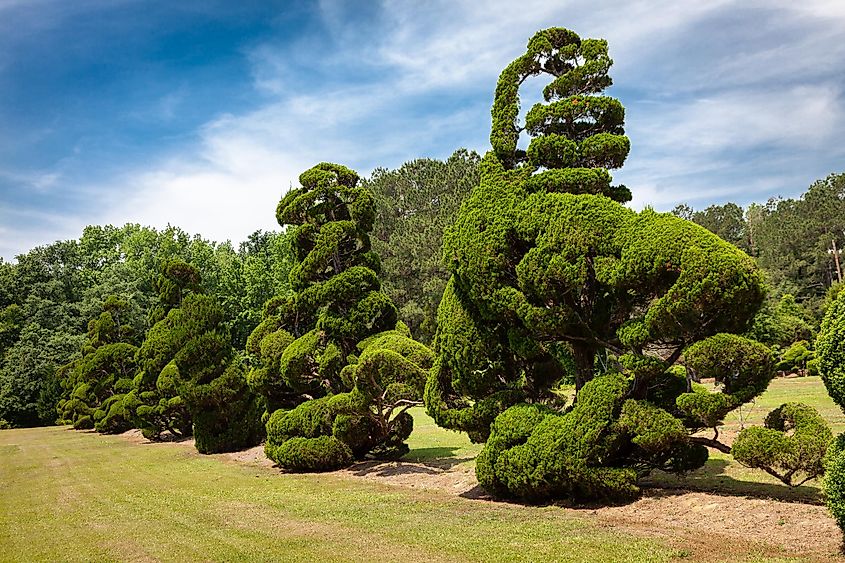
711,443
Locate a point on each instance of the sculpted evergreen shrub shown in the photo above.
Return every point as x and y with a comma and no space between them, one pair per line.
198,381
553,279
93,381
830,350
791,447
337,371
154,404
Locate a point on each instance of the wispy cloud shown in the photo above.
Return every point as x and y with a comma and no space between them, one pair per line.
725,100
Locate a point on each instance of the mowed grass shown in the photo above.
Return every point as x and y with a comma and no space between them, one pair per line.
78,496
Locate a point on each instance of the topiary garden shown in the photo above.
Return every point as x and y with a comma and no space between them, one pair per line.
574,337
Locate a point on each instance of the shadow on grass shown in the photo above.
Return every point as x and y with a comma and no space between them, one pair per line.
440,455
426,461
712,479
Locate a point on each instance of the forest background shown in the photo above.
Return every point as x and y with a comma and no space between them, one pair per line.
48,295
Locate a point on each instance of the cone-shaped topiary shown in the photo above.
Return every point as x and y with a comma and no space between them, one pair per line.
551,275
97,380
332,352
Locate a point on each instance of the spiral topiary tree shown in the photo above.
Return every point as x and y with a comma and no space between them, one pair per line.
552,277
336,369
830,350
104,372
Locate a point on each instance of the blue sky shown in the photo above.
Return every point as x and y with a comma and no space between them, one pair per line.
201,114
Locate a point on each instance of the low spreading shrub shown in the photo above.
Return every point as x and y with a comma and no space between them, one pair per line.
791,446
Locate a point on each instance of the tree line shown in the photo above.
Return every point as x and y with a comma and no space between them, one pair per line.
50,293
798,242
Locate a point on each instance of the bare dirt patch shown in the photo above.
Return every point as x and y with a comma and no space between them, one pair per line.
716,522
456,480
253,456
706,524
136,437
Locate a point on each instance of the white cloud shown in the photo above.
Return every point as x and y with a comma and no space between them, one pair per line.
230,185
692,115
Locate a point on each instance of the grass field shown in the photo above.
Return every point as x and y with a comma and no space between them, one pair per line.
67,495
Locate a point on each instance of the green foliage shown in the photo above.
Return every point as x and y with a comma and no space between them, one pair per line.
323,453
798,358
791,446
27,394
741,366
112,416
191,377
593,451
793,240
49,295
834,479
782,323
177,279
575,130
727,221
830,349
90,382
415,203
334,367
553,278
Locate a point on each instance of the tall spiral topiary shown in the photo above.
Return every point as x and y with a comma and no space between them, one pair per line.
552,279
97,380
830,350
337,371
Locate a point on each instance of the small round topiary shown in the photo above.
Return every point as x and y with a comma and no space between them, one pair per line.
323,453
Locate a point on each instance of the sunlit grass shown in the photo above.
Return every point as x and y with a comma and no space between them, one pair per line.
78,496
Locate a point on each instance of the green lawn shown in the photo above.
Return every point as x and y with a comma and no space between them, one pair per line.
67,495
723,474
70,495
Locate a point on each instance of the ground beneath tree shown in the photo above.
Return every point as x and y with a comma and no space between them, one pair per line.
707,526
